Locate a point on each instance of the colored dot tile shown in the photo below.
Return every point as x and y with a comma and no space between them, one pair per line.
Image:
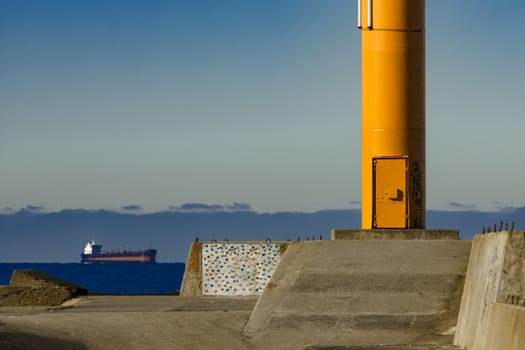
238,269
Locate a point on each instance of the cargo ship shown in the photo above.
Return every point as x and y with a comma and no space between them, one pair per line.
93,253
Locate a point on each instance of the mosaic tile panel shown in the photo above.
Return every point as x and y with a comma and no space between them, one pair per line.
231,269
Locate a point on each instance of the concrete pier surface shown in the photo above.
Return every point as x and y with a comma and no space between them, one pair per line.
144,322
328,294
128,322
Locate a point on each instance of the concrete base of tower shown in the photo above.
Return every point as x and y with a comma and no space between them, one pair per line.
395,234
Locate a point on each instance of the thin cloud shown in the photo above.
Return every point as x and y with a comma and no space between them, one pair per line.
457,205
196,206
131,207
34,208
239,206
507,209
201,206
9,210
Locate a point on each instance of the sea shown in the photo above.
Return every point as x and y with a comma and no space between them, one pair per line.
121,278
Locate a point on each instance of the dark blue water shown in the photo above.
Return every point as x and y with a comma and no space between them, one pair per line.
109,278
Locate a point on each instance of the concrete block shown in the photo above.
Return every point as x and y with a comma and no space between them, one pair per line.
33,296
34,288
511,279
362,291
230,268
506,328
481,286
494,272
37,279
396,234
191,282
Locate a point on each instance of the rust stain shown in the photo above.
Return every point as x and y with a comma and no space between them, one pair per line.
282,248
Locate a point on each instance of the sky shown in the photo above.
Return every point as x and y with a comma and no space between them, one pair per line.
154,104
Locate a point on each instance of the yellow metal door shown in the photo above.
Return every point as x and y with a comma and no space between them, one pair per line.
390,198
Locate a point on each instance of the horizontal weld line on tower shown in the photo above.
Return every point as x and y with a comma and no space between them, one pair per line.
394,30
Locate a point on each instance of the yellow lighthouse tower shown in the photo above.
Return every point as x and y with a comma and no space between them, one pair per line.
393,115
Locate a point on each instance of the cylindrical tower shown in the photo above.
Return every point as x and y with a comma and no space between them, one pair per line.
393,119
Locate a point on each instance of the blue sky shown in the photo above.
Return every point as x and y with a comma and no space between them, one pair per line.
105,104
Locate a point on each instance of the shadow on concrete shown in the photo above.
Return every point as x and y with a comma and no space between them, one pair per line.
22,341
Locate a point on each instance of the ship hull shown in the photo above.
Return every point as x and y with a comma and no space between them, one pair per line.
146,257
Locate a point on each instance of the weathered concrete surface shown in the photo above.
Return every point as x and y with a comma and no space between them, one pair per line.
191,283
511,280
129,323
36,279
507,328
26,296
382,347
30,287
145,323
394,234
494,274
351,292
481,287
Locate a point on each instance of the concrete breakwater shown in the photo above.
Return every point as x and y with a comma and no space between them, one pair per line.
362,292
230,268
384,291
492,314
349,294
340,292
34,288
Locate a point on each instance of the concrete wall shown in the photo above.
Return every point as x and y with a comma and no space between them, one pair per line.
31,288
230,268
494,276
339,293
37,279
389,234
507,328
191,283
